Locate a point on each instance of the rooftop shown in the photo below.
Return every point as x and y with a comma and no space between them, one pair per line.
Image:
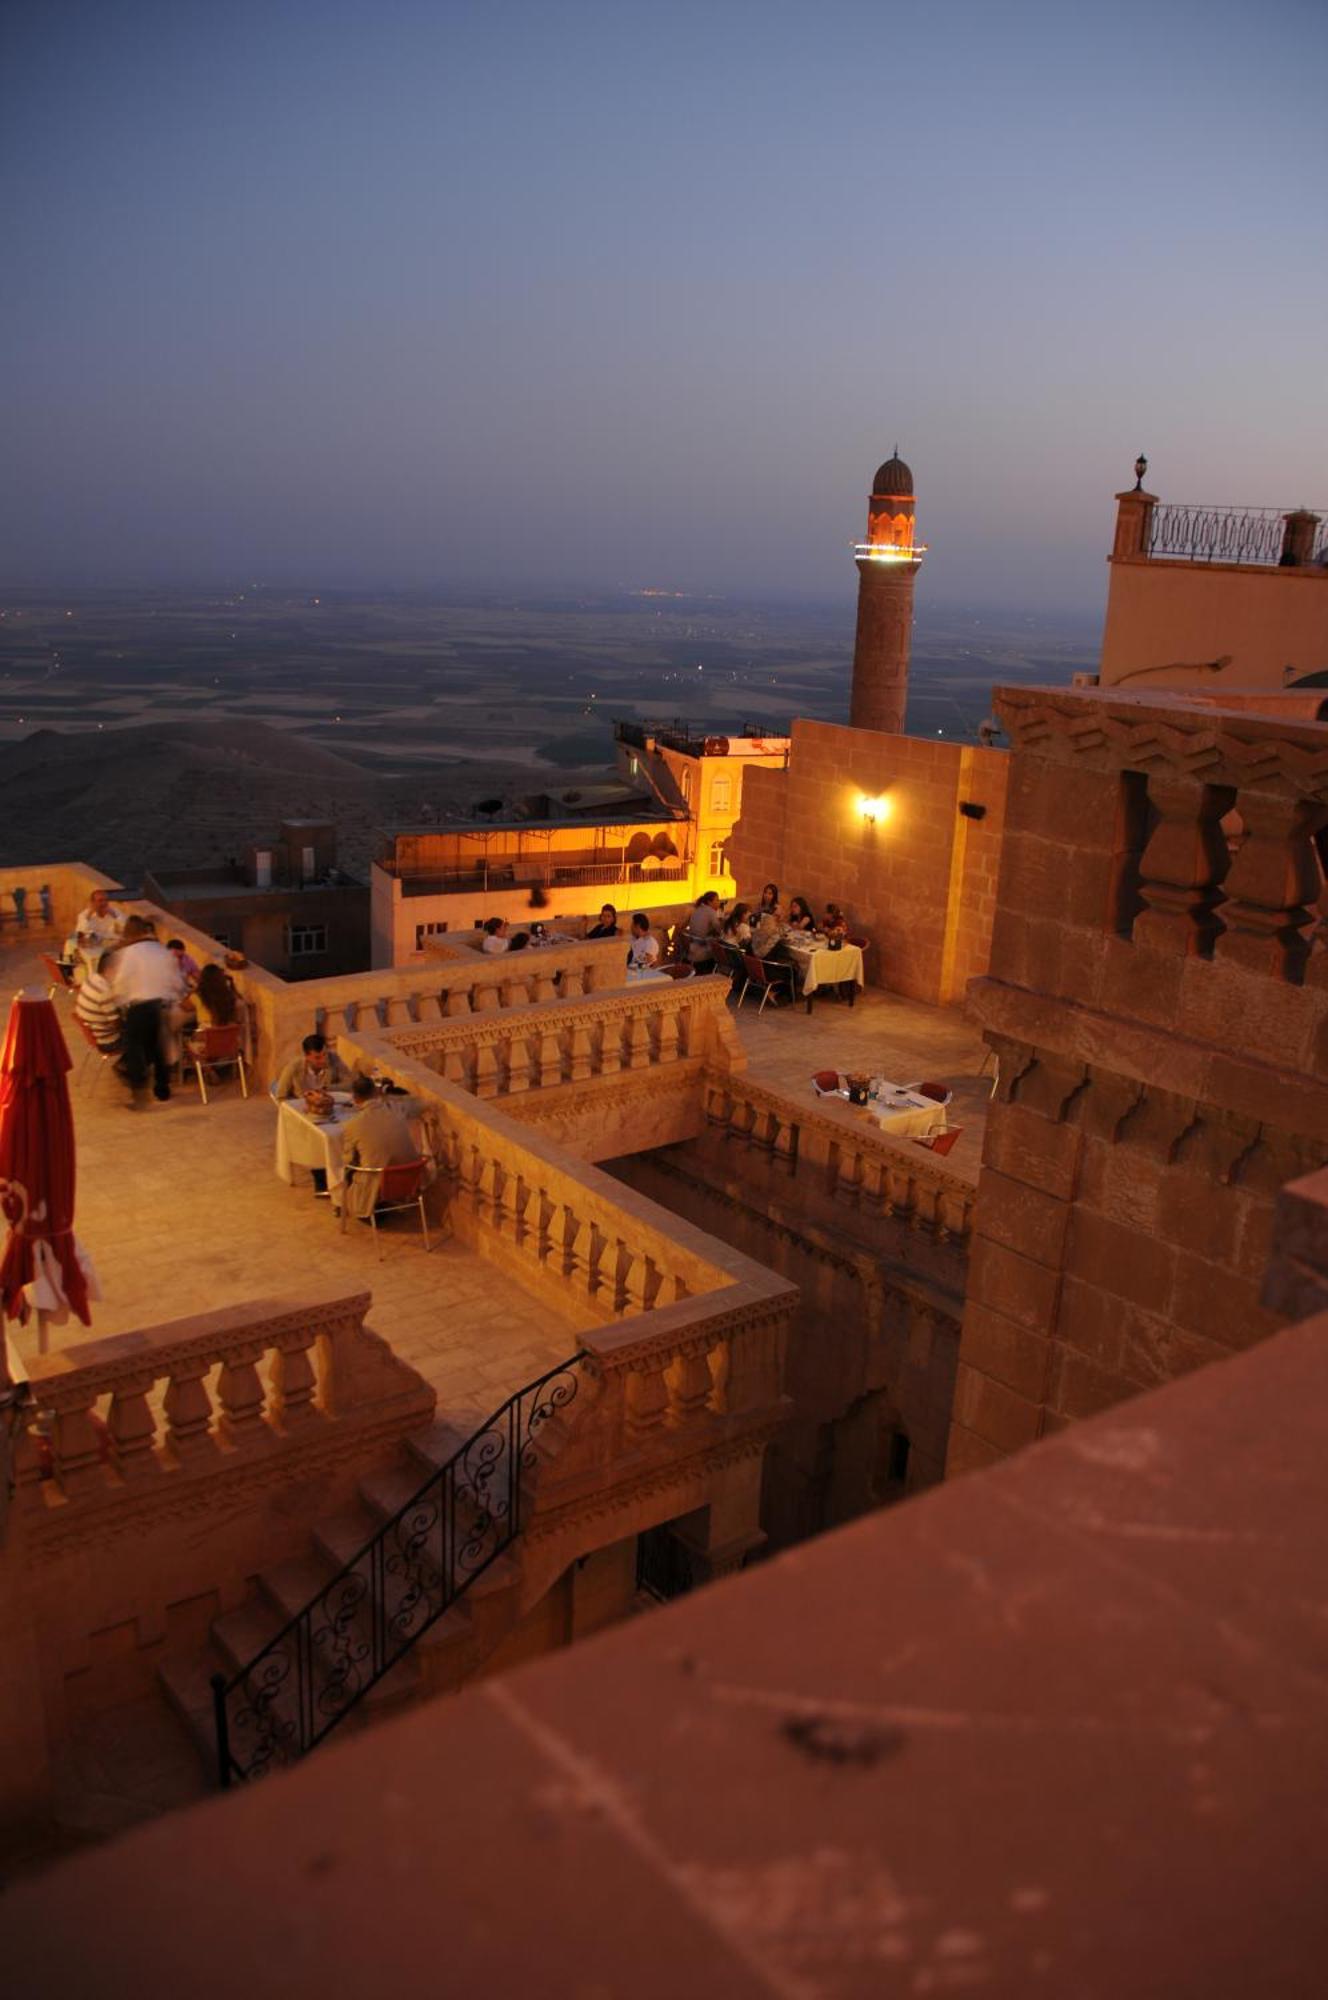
209,1224
884,1035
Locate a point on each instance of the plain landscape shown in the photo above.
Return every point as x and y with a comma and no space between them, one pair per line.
172,728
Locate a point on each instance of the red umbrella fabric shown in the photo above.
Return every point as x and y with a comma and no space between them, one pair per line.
42,1264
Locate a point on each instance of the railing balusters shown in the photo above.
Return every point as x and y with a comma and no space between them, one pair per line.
290,1660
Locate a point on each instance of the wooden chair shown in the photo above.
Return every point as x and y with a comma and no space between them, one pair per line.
399,1187
217,1048
942,1142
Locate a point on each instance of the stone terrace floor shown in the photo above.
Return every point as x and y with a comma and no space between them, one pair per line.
884,1035
182,1212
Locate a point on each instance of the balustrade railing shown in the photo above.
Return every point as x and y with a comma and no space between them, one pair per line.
859,1169
543,873
114,1415
545,1045
1224,534
312,1674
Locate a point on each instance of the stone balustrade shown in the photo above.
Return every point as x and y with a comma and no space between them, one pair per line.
859,1167
126,1414
549,1042
70,884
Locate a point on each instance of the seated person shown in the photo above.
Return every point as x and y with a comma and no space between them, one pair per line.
702,929
769,903
834,923
314,1071
643,951
379,1135
767,934
607,925
216,1003
495,935
95,1006
517,942
800,916
188,965
737,927
100,921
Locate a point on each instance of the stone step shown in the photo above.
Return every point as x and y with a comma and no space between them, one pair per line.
433,1447
394,1488
342,1536
289,1586
187,1686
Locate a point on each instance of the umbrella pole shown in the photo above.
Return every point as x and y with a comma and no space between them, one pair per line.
43,1333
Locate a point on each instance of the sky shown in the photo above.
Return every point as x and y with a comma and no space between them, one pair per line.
480,293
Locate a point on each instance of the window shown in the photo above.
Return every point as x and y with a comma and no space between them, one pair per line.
685,784
716,857
308,940
721,795
307,864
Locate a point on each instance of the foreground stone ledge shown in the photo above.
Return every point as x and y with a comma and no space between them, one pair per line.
1057,1727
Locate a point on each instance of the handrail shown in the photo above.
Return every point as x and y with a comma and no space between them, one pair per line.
1197,533
325,1659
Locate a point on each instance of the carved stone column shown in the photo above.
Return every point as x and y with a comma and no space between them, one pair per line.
1183,866
1273,886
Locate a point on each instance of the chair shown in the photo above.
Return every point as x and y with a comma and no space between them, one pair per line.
942,1141
772,979
60,976
401,1186
217,1048
939,1093
826,1083
676,971
106,1058
863,943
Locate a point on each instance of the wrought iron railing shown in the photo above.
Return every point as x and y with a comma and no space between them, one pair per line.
310,1676
525,874
1224,534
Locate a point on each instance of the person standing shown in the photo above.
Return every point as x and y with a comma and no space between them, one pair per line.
21,906
145,981
702,929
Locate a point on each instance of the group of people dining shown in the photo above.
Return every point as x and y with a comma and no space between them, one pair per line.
377,1134
768,928
142,1001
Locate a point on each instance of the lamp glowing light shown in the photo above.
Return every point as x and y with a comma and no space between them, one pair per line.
887,552
876,810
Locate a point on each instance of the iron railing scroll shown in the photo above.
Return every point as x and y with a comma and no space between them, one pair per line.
1222,534
310,1676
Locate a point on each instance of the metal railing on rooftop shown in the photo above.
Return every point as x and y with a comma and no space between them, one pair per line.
544,873
1225,534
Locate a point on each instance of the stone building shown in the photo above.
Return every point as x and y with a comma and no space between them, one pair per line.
685,1312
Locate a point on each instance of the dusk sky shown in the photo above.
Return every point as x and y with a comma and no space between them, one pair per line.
565,294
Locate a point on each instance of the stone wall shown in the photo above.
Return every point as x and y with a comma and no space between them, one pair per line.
1160,1011
920,882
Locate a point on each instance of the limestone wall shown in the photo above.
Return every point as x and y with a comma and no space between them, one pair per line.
1169,624
919,882
1158,999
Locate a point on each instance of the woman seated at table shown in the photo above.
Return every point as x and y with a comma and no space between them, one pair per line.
768,934
800,916
769,904
737,927
607,925
214,1002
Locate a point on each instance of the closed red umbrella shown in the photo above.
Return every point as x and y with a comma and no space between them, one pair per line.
42,1265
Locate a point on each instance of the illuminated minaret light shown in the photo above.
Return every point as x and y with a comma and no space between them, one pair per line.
888,563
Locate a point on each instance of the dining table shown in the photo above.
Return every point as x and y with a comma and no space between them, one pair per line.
818,963
905,1113
309,1139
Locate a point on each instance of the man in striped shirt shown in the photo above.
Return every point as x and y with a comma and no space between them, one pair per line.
96,1007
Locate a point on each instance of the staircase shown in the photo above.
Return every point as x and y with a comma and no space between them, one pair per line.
406,1592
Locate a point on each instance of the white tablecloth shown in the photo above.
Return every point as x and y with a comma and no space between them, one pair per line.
819,966
906,1115
647,976
303,1142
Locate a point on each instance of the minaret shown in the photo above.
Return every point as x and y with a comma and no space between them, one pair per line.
888,561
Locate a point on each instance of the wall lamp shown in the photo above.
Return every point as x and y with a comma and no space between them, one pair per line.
971,809
876,810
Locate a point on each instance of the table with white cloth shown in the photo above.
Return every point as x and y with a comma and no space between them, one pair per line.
817,966
907,1114
646,975
306,1141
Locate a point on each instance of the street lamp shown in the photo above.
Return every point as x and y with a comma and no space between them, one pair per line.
1140,468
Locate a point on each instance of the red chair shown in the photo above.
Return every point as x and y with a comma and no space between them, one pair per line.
401,1186
217,1048
942,1142
771,979
939,1093
676,971
61,976
106,1058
